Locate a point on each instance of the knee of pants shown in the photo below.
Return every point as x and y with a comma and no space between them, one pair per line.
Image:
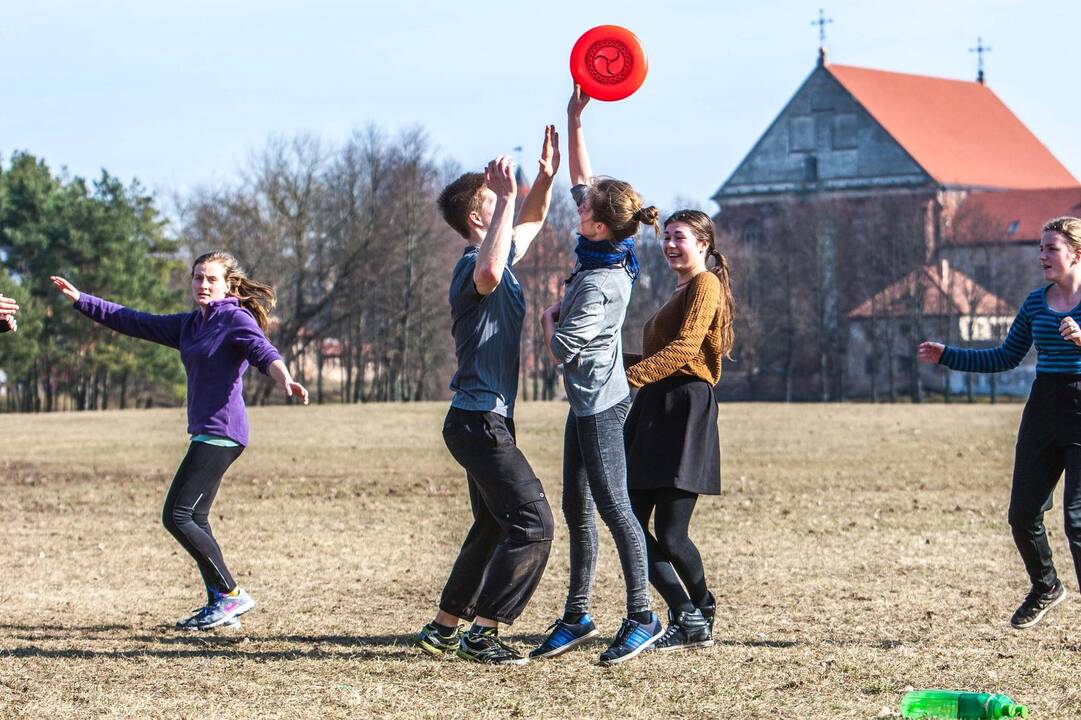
672,542
532,522
1024,518
174,518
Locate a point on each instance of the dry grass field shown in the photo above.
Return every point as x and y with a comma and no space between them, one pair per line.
856,551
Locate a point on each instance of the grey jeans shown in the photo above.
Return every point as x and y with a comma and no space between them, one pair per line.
595,476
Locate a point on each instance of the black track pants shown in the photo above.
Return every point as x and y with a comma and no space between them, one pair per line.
187,509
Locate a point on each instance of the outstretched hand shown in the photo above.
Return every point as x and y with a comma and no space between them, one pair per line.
294,389
499,177
65,287
578,101
549,159
930,352
8,306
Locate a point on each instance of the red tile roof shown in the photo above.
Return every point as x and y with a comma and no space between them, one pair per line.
958,131
966,296
1011,216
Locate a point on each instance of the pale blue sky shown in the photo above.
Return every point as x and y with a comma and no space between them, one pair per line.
180,94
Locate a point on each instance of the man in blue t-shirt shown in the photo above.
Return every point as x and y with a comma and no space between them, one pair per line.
503,556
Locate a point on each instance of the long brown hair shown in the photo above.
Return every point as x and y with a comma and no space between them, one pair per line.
616,204
257,298
702,227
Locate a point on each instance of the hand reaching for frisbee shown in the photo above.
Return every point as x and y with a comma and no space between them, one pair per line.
578,102
549,159
930,352
499,177
65,287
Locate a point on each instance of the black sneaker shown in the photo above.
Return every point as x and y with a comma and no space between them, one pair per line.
436,644
1036,605
686,630
709,611
486,647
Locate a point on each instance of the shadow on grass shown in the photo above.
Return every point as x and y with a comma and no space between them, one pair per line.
236,646
65,628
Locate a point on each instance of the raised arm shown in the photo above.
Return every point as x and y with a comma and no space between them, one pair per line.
535,206
162,329
495,248
581,170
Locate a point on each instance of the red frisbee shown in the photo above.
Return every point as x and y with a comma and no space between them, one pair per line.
608,62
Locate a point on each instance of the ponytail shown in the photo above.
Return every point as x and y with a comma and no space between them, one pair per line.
728,305
257,298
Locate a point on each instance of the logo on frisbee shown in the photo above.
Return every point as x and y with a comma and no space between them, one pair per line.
609,61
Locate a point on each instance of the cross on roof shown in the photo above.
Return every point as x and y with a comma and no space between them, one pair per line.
980,49
822,22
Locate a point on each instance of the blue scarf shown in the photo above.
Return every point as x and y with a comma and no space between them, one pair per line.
593,255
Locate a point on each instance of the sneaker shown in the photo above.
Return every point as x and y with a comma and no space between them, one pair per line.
431,641
632,638
709,611
486,647
193,621
226,608
1036,605
563,636
686,630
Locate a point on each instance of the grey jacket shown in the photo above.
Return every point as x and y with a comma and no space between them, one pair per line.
588,339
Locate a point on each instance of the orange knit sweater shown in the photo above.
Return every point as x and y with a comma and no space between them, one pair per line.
684,336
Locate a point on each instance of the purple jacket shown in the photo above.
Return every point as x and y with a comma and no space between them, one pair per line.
216,351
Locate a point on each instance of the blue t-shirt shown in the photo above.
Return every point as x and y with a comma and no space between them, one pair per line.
487,333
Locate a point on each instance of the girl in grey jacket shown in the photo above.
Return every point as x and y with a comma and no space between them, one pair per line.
583,334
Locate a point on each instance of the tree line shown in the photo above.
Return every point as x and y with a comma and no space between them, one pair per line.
350,237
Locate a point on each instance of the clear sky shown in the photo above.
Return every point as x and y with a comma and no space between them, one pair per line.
179,94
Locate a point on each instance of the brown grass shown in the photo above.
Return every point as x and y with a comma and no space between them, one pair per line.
856,551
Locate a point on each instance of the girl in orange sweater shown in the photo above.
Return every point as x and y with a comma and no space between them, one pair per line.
673,449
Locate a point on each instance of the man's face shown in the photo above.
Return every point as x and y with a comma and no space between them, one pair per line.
487,209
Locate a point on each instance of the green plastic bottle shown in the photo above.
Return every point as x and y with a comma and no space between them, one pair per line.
949,704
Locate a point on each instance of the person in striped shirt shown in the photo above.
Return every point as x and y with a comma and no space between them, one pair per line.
1049,439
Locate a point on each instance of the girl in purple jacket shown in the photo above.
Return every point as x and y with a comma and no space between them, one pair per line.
217,343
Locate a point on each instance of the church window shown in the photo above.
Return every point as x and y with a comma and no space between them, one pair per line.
801,134
843,132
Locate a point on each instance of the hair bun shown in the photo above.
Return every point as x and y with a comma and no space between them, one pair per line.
648,215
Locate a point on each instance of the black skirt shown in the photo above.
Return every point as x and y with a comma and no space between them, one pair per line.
671,437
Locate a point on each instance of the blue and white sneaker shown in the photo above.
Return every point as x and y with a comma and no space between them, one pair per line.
632,638
193,621
225,608
564,636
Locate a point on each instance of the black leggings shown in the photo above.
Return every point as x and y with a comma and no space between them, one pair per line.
187,509
674,561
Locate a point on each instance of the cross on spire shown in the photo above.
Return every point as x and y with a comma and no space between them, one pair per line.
980,49
822,22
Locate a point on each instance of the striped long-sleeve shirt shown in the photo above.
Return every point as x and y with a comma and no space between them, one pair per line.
1035,323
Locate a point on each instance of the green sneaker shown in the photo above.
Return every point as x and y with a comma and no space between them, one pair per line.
435,644
486,647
